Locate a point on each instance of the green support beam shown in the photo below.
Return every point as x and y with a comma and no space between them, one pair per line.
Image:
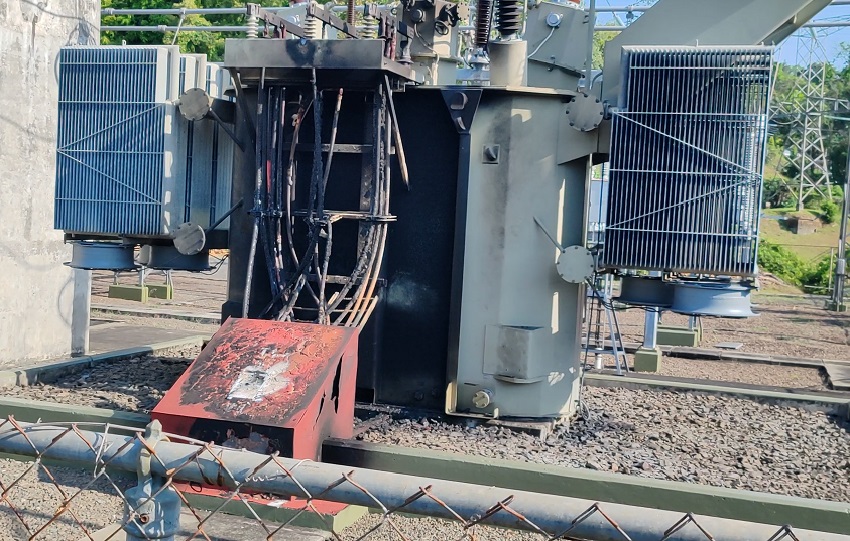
32,411
337,521
595,485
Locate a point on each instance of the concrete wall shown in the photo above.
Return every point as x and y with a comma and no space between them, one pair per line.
36,289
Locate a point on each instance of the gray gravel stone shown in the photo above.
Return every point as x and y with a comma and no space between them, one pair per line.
431,529
136,384
681,436
38,500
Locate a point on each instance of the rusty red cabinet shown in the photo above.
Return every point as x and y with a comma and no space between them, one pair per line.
267,386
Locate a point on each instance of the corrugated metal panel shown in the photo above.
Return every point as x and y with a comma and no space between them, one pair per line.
687,155
110,140
212,160
127,163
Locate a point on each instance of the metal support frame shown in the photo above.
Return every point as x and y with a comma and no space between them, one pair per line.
650,328
281,25
805,138
81,311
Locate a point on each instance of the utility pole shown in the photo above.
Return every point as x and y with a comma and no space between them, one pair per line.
837,302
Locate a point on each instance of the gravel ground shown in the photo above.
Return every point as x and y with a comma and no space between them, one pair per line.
430,529
158,322
135,384
788,329
691,437
752,373
38,500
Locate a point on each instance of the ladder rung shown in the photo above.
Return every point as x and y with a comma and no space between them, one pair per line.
342,148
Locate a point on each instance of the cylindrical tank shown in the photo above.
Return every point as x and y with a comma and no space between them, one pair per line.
508,64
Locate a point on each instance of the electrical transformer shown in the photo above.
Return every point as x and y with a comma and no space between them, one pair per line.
420,174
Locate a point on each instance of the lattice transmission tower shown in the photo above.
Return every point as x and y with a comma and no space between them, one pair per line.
805,141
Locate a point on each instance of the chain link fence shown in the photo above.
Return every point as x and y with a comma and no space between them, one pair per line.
104,503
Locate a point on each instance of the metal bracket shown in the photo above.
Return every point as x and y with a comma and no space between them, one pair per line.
578,265
279,23
546,232
462,106
152,507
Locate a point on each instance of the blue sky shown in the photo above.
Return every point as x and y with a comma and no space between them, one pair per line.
830,39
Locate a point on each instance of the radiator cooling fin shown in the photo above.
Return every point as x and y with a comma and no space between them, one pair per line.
687,155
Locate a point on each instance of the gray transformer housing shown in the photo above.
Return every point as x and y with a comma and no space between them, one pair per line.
517,316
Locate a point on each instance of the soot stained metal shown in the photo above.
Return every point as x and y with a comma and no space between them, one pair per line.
267,386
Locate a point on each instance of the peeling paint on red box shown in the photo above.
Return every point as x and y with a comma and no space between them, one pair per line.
279,385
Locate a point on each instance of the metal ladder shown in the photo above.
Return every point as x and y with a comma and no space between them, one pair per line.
602,325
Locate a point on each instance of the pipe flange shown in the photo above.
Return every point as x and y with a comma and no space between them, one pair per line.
575,264
585,112
195,104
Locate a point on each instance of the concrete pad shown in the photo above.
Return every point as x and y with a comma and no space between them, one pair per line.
839,375
116,337
130,293
669,335
160,291
221,527
648,360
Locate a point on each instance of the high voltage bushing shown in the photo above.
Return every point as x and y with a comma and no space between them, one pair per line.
482,23
509,17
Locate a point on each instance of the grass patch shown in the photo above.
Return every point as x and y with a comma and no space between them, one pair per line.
808,247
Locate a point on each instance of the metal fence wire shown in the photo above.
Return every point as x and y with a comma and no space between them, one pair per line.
165,464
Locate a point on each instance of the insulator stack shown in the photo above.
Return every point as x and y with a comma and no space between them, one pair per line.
370,27
253,27
509,16
350,13
482,23
313,27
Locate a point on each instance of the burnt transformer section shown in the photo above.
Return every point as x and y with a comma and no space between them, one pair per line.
432,255
396,184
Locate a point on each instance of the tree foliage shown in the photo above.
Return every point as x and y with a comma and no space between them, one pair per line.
209,43
794,270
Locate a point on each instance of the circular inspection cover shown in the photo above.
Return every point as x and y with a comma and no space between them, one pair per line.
585,112
189,239
575,264
194,104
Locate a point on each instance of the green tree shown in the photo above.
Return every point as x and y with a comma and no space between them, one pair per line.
599,41
209,43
